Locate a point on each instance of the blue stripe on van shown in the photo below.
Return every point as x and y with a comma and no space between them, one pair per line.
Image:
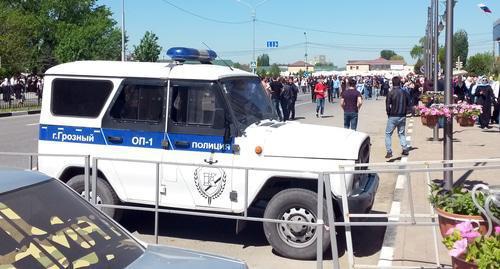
131,138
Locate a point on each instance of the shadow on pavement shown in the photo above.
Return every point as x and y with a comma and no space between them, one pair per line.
367,240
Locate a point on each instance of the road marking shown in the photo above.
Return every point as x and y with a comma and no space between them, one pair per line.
387,252
32,124
386,257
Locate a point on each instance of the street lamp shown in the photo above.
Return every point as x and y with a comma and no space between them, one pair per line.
123,30
305,36
448,127
253,10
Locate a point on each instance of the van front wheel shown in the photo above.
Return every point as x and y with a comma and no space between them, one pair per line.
294,240
105,194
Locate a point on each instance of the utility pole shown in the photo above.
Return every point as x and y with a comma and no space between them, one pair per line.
123,30
428,41
436,44
307,65
448,127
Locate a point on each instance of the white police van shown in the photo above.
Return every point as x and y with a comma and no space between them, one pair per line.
195,115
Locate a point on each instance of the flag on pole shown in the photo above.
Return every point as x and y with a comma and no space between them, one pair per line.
484,8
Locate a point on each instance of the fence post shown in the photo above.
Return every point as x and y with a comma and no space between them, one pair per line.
320,222
246,194
331,220
31,162
94,181
157,200
345,211
410,197
434,233
86,175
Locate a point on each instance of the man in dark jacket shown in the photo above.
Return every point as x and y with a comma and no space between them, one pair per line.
287,99
276,88
293,91
397,106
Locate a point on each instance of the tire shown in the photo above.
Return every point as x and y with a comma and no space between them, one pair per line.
105,194
293,241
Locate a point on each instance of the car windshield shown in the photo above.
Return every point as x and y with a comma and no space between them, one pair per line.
46,225
248,100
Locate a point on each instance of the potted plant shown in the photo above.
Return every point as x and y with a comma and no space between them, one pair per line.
430,115
457,205
469,249
467,114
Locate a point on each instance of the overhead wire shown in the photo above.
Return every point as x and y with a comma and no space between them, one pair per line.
203,17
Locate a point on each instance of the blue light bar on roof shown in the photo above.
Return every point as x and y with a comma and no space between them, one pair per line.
182,54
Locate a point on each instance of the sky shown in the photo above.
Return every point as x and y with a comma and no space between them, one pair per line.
341,30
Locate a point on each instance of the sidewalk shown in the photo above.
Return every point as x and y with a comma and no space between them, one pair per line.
414,245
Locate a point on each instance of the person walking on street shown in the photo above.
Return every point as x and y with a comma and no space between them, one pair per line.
329,84
276,88
485,97
294,90
396,105
320,94
351,102
287,98
336,87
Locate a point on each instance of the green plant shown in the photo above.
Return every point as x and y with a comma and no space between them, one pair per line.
458,201
463,241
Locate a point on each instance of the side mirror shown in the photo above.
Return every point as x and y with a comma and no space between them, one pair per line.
219,119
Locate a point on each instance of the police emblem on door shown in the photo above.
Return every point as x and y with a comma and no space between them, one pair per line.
210,182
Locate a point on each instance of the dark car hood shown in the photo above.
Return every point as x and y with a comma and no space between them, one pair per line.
170,257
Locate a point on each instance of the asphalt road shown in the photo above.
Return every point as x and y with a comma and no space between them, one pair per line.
20,134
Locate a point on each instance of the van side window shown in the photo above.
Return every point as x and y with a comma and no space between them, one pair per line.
139,103
79,97
194,105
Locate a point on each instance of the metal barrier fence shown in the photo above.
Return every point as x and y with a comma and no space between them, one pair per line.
323,178
11,100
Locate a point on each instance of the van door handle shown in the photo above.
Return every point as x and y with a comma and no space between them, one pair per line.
115,139
182,144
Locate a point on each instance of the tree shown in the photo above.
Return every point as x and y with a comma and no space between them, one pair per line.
460,46
244,67
480,64
263,60
417,66
148,49
397,58
261,72
387,54
274,71
54,31
417,52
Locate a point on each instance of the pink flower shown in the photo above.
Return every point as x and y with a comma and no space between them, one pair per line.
450,231
497,230
459,248
465,227
470,236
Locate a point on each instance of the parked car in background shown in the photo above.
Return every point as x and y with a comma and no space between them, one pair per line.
45,224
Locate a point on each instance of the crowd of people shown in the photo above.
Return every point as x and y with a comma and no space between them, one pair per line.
15,89
402,95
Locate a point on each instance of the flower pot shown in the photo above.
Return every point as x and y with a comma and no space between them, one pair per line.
465,121
429,120
449,220
459,263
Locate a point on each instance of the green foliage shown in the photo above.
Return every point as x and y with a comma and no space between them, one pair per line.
460,46
417,66
263,60
387,54
397,58
148,49
417,52
261,72
40,34
480,64
274,71
485,252
458,201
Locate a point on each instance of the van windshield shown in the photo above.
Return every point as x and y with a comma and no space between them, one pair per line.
248,100
46,225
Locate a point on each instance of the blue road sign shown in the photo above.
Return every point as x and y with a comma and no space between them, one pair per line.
272,44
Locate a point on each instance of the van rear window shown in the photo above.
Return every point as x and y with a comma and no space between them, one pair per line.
79,97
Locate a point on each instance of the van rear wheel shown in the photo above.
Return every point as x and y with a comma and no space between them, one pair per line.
105,194
294,240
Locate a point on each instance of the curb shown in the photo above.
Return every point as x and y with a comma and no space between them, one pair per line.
19,113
